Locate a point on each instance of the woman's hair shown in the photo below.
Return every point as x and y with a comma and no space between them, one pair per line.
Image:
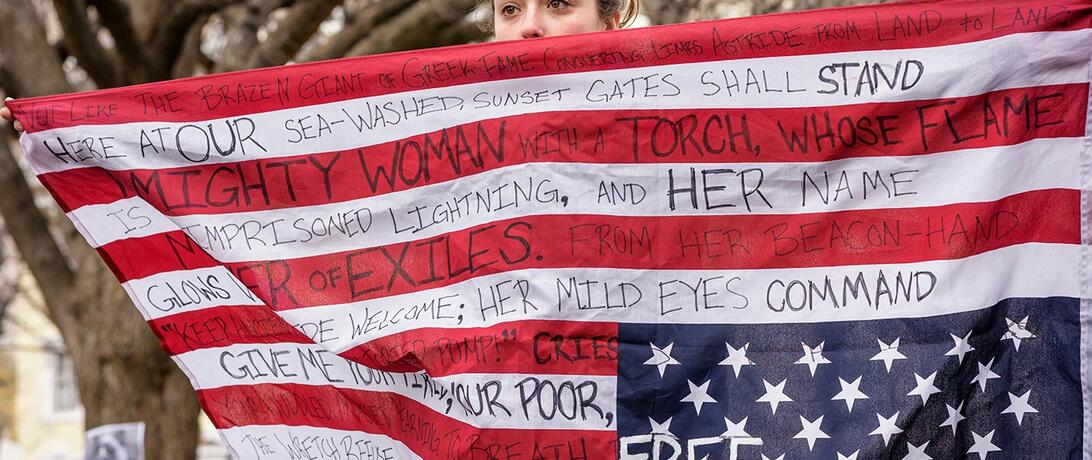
627,9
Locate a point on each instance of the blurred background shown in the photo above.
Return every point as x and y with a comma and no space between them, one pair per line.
74,352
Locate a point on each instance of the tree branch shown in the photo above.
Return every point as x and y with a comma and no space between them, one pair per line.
9,274
192,59
145,15
670,11
116,17
415,28
31,67
170,34
459,33
359,26
241,30
29,228
81,38
774,6
292,31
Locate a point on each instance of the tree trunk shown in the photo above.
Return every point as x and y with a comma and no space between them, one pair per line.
774,6
122,373
415,28
129,376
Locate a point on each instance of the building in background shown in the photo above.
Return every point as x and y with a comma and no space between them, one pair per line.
40,413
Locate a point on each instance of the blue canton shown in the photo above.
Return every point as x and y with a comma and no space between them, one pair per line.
997,383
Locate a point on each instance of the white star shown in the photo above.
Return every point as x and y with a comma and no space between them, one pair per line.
983,445
735,430
1019,405
852,456
1018,330
813,357
698,395
985,374
925,387
811,431
782,457
917,452
737,358
962,346
955,415
888,353
661,428
661,358
850,392
887,427
775,394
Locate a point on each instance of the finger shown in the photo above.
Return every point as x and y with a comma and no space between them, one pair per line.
5,113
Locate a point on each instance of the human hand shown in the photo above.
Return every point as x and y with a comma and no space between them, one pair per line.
5,113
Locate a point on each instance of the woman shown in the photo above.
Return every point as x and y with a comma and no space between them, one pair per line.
519,19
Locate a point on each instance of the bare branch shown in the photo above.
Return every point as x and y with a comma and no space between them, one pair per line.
116,17
192,58
242,24
146,15
30,66
29,228
359,26
170,34
81,39
774,6
459,33
670,11
292,31
9,273
414,28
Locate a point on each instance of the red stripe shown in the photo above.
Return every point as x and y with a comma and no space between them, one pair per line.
535,347
140,257
877,28
429,434
530,346
880,236
223,326
612,136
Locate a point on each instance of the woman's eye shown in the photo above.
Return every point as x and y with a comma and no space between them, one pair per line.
557,4
509,10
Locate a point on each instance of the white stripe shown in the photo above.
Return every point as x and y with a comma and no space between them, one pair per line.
917,181
1002,63
283,442
517,401
167,293
1085,316
733,296
132,217
439,307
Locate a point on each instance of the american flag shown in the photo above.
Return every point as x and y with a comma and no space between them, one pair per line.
851,233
